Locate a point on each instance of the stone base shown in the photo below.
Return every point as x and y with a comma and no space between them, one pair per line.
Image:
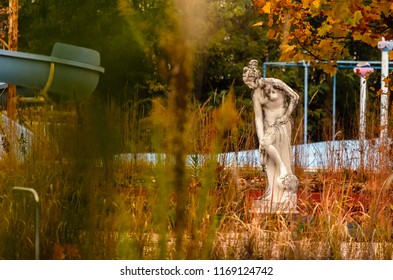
262,206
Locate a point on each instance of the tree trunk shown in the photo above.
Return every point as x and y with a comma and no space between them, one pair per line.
13,46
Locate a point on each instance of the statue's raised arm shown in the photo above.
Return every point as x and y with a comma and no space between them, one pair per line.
292,98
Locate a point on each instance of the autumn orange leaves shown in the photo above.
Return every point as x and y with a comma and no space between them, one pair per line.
323,30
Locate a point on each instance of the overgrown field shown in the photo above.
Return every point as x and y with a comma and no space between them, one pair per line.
101,199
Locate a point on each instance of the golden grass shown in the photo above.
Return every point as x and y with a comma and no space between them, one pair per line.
97,206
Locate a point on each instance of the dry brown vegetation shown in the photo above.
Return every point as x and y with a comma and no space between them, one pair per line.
95,205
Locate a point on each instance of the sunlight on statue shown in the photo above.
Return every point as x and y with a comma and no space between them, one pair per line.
273,102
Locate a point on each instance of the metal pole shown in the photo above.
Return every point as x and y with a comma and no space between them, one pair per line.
384,96
362,69
362,116
334,108
305,102
37,217
384,47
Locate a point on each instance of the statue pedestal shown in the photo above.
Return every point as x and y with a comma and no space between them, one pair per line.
264,206
285,202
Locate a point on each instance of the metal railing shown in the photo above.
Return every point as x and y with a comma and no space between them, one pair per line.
37,217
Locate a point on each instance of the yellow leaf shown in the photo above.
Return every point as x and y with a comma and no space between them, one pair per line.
316,4
306,3
357,16
386,8
324,29
257,24
341,12
267,7
370,40
271,22
329,68
270,34
357,36
287,48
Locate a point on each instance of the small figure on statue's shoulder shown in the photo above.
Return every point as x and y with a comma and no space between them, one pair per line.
251,74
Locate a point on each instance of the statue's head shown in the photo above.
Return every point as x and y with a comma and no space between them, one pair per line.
253,63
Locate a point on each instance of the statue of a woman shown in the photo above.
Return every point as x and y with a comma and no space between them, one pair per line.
273,102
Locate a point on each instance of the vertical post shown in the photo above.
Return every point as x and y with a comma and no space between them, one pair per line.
334,108
362,110
37,217
13,46
363,69
384,47
384,96
362,120
305,102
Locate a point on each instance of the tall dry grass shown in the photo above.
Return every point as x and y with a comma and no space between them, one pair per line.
100,199
96,204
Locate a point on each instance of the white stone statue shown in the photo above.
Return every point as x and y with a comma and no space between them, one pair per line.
273,103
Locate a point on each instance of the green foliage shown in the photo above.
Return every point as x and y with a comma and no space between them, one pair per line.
232,44
130,36
92,24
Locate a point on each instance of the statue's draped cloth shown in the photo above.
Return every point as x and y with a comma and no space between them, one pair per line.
282,142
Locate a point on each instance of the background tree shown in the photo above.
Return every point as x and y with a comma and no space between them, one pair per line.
93,24
129,34
232,44
325,31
